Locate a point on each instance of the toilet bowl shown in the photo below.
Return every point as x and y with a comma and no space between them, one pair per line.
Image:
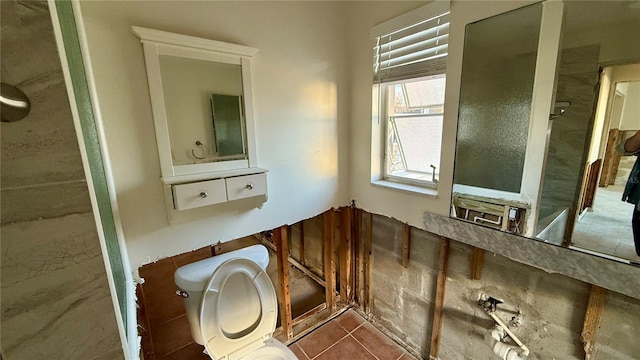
231,305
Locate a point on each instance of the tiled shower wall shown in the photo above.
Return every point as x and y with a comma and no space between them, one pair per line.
55,300
565,164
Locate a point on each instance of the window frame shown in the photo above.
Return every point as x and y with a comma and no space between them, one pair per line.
385,92
380,104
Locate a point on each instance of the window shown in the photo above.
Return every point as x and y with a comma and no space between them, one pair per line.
409,81
414,130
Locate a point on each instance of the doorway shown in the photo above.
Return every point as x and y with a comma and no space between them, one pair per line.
603,224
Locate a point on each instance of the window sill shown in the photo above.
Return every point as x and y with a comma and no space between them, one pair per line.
410,189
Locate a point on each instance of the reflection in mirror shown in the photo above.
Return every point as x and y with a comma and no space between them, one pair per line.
604,224
203,104
579,199
228,126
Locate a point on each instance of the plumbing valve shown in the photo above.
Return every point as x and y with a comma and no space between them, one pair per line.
182,293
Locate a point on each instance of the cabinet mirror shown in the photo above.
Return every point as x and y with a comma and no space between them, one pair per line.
202,105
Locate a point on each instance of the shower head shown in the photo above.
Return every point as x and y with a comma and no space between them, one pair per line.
14,104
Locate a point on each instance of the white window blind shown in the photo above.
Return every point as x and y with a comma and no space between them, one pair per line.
413,51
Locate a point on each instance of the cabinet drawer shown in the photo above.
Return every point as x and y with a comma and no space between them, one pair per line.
241,187
193,195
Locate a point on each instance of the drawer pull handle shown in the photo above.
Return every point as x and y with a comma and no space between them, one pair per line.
249,186
203,194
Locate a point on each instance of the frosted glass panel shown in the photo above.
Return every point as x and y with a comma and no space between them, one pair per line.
421,139
495,99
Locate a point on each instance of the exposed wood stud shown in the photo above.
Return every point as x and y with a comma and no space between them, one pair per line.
406,245
592,318
309,314
359,258
593,182
367,228
310,321
295,263
611,158
477,262
345,254
302,242
307,271
281,240
355,234
328,220
443,260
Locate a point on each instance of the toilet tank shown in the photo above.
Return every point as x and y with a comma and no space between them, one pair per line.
192,279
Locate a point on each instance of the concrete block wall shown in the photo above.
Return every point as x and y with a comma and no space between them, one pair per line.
403,298
618,336
553,305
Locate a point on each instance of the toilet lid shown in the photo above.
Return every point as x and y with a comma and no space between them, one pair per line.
238,312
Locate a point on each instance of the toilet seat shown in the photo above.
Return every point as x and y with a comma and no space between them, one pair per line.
272,350
215,319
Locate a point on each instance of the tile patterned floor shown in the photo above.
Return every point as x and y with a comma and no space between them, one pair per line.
607,229
348,336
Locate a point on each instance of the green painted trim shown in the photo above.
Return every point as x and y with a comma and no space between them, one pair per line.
92,145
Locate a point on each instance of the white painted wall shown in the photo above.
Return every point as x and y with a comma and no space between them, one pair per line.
611,77
616,42
312,88
630,119
406,207
300,101
598,136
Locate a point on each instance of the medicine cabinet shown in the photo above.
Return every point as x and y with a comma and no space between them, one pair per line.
202,104
202,108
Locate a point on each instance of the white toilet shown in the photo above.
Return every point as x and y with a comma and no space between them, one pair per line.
232,307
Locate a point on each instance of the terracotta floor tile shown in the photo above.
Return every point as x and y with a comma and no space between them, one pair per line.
171,336
378,343
192,351
298,351
346,349
321,339
349,320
